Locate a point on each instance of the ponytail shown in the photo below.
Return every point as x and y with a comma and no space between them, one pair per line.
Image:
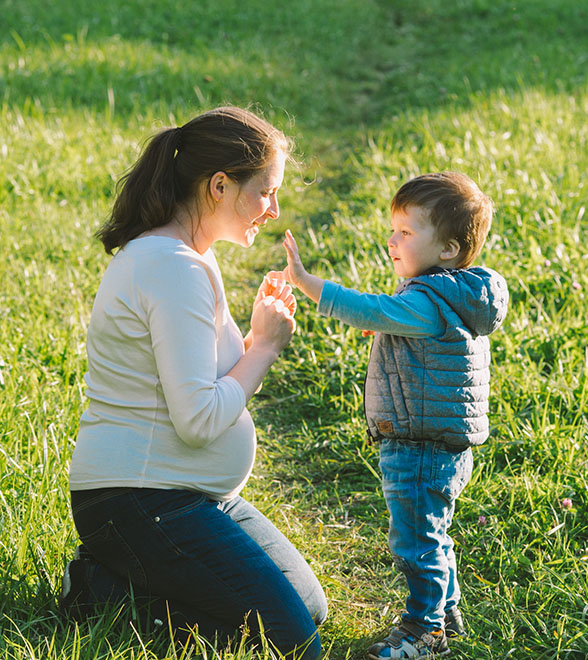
147,195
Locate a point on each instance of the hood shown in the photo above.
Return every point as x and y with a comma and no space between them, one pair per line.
478,295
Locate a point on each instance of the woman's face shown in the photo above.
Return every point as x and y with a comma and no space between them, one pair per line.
248,206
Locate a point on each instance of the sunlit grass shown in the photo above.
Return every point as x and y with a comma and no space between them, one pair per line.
374,94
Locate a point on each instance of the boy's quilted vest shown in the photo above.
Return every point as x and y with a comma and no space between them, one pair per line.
437,388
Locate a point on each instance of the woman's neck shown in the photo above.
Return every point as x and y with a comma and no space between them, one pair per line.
184,227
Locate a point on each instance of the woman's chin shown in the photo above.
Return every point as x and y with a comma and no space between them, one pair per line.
250,236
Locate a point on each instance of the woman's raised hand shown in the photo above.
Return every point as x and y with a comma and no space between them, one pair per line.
274,284
272,324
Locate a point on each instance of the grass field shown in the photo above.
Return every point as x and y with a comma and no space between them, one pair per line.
374,92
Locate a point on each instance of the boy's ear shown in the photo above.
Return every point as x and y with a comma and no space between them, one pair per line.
451,250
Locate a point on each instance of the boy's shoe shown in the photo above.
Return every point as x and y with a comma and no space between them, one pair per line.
454,626
410,640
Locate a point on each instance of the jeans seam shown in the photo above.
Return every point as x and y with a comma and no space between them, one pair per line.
103,496
179,511
114,532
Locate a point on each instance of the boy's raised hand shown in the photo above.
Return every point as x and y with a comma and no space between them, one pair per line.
294,271
310,285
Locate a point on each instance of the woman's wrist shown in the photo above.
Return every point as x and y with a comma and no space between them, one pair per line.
252,368
265,352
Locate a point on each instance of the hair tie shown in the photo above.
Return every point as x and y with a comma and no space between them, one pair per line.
177,132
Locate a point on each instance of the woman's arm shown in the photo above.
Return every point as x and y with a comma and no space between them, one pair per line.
180,302
272,326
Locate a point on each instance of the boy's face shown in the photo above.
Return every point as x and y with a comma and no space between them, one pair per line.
414,246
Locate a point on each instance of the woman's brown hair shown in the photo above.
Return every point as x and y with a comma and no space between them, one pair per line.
177,160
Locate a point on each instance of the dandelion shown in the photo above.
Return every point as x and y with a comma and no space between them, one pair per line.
566,503
481,520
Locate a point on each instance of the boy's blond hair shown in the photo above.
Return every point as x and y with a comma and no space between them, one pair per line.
457,209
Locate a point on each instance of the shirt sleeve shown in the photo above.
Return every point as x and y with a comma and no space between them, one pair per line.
407,314
181,316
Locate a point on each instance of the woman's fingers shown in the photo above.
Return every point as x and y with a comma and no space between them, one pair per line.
270,285
290,302
274,285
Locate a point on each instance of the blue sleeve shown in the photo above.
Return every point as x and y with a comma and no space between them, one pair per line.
408,314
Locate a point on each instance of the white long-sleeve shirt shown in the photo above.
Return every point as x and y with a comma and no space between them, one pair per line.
163,413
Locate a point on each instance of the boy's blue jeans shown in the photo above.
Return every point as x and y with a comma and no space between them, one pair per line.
421,482
215,562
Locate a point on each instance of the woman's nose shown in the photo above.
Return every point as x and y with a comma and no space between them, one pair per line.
274,208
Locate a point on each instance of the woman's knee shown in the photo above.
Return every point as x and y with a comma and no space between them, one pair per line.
321,609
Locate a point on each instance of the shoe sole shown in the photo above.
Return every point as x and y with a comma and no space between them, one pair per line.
431,656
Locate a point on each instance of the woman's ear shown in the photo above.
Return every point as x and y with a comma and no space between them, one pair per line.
450,250
218,186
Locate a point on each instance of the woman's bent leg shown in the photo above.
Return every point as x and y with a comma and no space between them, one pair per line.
181,546
282,553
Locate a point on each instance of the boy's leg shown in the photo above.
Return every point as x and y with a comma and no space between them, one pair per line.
454,626
421,482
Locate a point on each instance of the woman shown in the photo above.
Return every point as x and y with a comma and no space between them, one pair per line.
167,443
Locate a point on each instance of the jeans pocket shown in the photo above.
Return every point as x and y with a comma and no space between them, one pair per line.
109,547
172,516
451,471
176,504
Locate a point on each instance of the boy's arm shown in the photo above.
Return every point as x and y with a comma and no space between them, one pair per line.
310,285
411,314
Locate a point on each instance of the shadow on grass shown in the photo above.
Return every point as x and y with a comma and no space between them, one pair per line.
369,62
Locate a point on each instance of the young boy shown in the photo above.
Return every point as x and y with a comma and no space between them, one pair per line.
427,386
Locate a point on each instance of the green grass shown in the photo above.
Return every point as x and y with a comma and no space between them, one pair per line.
374,91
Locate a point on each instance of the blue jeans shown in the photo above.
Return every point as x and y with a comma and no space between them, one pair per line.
216,563
421,482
